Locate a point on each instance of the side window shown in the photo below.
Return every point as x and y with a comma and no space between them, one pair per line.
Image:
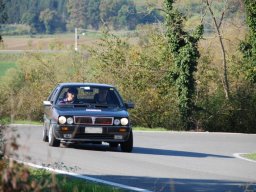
50,98
63,94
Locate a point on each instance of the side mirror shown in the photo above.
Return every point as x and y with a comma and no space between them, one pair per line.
47,103
129,105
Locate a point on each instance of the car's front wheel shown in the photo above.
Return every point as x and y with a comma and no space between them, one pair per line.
127,146
52,140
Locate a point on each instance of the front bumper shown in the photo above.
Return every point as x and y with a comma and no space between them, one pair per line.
77,133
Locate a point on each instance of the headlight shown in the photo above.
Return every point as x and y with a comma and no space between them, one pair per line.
124,121
62,120
116,122
70,120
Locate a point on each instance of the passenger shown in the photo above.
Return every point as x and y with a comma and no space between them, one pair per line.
101,97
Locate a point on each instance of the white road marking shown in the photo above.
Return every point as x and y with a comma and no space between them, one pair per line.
85,177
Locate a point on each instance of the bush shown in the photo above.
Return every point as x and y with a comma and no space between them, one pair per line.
15,29
235,115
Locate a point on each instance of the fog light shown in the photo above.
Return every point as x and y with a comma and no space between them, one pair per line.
118,137
64,128
122,130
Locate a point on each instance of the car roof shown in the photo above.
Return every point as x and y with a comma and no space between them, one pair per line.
84,84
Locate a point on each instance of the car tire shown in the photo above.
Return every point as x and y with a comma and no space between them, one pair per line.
127,146
45,136
52,140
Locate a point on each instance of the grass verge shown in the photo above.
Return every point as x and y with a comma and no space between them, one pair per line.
149,129
68,183
251,156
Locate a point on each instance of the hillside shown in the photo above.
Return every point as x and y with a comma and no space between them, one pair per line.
58,16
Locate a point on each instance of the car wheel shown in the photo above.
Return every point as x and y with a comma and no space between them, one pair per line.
113,145
52,140
127,146
45,136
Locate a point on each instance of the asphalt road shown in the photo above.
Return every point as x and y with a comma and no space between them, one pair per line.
160,161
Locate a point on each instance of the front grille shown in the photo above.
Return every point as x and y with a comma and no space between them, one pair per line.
83,120
93,120
103,121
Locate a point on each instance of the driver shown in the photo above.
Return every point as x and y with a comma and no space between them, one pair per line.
71,96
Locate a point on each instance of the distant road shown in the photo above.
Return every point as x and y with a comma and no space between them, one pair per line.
35,51
161,161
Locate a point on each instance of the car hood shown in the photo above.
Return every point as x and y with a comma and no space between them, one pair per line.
108,112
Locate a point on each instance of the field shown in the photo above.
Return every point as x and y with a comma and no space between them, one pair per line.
42,42
7,61
13,46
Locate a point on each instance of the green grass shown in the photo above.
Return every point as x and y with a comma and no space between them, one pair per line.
251,156
67,183
149,129
4,66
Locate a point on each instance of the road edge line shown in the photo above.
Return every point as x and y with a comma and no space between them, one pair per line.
84,177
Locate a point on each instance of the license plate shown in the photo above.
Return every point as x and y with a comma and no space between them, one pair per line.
93,130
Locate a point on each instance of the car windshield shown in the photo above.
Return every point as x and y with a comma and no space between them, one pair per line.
89,97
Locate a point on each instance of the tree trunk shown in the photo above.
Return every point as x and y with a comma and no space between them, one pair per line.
224,62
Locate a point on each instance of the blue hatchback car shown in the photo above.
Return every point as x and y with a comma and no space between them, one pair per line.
89,113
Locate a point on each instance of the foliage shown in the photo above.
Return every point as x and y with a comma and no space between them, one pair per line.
145,72
15,177
183,47
33,79
139,72
235,115
3,16
248,47
50,20
50,16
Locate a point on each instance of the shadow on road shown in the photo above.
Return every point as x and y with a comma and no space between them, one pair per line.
148,151
180,185
152,151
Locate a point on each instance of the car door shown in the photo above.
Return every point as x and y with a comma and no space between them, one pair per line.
48,106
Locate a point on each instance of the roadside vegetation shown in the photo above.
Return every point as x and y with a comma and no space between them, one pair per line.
146,72
251,156
18,177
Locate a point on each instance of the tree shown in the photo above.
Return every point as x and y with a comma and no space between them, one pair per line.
183,47
248,47
3,15
217,26
78,14
32,19
49,18
94,13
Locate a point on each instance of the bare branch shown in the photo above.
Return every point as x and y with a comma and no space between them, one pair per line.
222,14
223,51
